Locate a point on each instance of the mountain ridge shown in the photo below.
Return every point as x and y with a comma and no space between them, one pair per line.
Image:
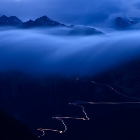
124,23
9,21
44,21
14,21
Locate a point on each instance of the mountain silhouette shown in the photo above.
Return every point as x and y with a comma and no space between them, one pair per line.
41,22
9,21
124,22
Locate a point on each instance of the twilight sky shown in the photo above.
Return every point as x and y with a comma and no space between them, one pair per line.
71,11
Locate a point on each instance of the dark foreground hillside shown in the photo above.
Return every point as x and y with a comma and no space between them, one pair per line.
11,129
34,101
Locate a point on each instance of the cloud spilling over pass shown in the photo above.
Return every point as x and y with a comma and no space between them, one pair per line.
36,52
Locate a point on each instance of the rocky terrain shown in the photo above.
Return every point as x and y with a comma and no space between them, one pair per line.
34,101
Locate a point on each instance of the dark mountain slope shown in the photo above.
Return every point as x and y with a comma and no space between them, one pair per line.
9,21
35,101
43,21
123,23
11,129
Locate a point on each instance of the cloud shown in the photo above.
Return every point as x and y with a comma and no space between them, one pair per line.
38,52
71,11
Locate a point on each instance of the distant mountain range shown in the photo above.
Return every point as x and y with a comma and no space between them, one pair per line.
10,21
39,22
120,23
44,21
124,23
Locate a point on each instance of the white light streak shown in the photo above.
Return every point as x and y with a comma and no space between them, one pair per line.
83,109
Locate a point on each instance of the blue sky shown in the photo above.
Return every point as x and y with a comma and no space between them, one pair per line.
71,11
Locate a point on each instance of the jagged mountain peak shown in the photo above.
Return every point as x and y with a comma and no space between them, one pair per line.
9,21
30,20
39,22
14,17
3,16
121,22
43,21
44,18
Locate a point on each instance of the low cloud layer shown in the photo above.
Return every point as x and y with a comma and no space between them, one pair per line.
38,52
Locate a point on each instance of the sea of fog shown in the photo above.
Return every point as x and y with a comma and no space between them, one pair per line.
53,51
